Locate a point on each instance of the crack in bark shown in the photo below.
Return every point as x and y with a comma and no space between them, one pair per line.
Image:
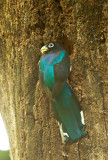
104,115
65,151
79,152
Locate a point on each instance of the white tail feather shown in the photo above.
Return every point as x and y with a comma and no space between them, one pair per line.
63,134
82,117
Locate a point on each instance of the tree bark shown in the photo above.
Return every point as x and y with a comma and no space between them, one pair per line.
81,27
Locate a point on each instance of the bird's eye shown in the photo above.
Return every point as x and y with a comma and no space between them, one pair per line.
50,45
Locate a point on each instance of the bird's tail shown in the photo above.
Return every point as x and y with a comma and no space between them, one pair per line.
68,115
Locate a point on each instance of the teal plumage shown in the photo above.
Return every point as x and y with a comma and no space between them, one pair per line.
69,114
54,68
47,67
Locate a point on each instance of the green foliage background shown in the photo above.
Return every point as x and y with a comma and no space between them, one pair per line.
4,155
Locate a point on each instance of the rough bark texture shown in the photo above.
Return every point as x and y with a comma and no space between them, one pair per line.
81,27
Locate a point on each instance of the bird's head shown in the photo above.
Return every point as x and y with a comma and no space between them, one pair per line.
51,47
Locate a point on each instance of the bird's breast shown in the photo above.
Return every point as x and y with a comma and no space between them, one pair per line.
46,66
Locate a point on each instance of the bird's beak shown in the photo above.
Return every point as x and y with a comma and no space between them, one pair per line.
44,49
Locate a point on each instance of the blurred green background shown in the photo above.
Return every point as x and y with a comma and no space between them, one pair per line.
4,155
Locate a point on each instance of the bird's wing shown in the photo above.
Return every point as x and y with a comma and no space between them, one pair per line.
61,72
46,88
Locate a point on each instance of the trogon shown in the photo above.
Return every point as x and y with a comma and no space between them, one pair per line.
54,68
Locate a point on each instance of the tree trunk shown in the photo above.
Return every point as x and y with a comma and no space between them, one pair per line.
81,27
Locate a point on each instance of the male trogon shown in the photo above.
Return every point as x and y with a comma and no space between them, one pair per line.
54,68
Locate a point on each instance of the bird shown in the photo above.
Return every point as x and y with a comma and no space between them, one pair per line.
54,69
